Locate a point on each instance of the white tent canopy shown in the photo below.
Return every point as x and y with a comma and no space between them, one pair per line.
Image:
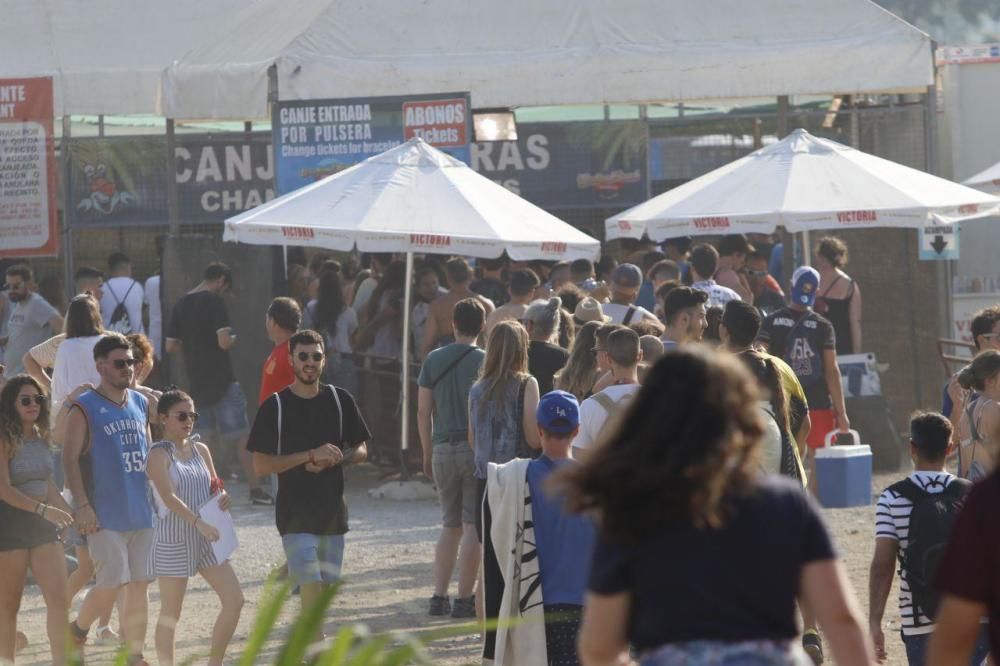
803,183
105,56
413,198
987,181
548,52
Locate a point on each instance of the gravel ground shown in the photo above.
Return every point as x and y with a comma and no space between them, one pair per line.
388,574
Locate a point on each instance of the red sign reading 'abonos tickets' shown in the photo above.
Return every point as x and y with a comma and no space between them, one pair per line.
440,122
27,169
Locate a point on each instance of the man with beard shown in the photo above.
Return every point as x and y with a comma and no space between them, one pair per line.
32,319
684,313
306,434
107,438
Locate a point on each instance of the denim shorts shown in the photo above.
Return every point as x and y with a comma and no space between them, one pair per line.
314,558
227,418
454,469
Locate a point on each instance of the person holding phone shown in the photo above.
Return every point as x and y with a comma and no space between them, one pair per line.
183,478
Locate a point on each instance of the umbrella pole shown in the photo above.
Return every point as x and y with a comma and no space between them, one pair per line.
405,375
806,249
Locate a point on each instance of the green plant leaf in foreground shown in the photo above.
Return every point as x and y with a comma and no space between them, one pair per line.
305,629
272,601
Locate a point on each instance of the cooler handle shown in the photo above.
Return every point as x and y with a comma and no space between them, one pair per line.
833,433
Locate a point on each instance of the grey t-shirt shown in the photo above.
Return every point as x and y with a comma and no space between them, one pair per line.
28,326
451,390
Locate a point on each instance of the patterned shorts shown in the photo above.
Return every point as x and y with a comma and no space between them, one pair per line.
718,653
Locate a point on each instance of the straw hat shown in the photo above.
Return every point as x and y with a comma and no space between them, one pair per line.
590,310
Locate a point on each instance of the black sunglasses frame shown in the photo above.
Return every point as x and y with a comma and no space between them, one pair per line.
26,400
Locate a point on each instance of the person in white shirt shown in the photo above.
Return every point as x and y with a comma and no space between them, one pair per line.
704,264
928,492
625,283
74,363
121,288
601,408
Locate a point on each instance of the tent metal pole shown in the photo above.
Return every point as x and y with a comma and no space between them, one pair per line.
404,412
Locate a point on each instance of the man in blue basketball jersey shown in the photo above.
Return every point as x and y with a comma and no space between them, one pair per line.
105,459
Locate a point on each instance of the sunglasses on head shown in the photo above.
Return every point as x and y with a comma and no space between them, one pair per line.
120,363
25,400
184,416
316,356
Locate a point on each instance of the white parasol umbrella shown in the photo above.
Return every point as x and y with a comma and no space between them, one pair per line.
803,183
412,198
987,181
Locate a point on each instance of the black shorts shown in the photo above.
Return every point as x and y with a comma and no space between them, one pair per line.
562,623
21,530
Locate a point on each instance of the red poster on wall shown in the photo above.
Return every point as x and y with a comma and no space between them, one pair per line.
28,226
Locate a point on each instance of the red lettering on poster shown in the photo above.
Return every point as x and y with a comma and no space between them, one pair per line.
442,123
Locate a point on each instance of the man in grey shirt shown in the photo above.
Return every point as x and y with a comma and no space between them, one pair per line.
32,319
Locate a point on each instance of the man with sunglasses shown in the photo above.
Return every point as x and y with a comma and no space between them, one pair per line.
306,433
767,295
107,438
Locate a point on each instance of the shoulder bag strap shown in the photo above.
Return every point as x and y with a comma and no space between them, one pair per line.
451,366
340,414
628,315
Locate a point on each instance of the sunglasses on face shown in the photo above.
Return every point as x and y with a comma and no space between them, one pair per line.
596,351
120,363
25,400
305,356
756,273
184,416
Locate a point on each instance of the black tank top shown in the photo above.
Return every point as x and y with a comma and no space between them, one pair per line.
838,312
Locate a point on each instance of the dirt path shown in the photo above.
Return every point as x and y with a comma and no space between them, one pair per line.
388,573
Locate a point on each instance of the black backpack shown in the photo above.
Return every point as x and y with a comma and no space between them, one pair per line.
930,526
120,321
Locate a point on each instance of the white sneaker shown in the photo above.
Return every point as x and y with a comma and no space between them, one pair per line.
106,636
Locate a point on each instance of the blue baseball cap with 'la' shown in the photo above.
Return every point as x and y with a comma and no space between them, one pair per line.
558,412
805,282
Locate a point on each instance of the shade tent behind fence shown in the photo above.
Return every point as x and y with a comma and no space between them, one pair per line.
413,199
803,183
987,181
547,52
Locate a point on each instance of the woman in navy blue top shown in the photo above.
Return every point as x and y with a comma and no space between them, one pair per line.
700,558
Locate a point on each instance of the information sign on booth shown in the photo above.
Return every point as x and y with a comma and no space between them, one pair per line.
28,214
316,138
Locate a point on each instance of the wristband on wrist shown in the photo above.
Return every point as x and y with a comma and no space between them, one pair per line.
40,508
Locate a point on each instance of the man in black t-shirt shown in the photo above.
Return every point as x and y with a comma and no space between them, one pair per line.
805,340
306,434
199,326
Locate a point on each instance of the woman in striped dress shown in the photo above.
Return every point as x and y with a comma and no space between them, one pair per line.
183,477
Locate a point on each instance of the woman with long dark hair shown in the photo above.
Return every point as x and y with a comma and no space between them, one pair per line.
381,332
32,512
330,315
701,557
75,364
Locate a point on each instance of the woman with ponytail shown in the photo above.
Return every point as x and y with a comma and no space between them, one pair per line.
977,429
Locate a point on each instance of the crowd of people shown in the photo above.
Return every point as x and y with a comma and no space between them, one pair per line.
603,438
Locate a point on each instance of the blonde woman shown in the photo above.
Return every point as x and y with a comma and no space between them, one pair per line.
502,405
580,372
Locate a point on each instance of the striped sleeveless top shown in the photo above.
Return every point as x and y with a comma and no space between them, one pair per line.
179,549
